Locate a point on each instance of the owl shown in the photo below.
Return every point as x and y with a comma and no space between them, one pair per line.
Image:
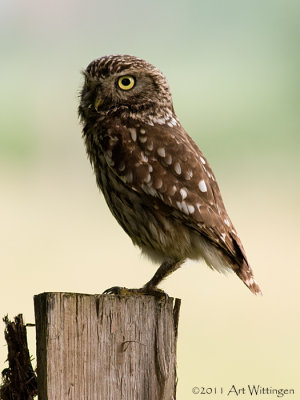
156,181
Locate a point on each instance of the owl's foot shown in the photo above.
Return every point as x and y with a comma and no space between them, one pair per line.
149,291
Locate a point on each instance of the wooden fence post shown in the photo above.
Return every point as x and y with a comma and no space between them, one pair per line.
106,347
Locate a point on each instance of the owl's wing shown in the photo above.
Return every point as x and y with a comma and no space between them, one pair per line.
163,162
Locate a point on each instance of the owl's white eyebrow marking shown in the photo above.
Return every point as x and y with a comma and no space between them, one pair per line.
142,131
177,168
168,159
202,160
161,152
132,133
227,222
183,193
191,209
223,236
202,186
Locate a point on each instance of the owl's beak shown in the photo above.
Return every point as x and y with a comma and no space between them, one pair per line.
98,102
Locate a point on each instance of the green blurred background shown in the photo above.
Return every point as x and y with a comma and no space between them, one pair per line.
233,67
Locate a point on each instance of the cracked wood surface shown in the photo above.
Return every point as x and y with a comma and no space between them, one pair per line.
106,347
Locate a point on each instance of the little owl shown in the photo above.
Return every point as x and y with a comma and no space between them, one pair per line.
155,180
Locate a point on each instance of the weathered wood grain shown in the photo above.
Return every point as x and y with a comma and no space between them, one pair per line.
105,347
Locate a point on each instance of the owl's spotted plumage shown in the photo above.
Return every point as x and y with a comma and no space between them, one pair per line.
156,181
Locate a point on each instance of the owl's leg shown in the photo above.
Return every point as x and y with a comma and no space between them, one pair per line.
150,288
166,268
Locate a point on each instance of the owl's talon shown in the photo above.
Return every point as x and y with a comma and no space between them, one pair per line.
122,291
114,290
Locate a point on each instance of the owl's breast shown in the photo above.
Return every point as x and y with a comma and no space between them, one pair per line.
148,227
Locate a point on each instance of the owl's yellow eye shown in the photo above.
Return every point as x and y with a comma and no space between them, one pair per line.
126,82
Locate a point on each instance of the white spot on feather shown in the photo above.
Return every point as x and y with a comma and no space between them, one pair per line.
202,160
161,152
179,205
160,121
168,159
191,209
227,222
158,183
142,131
184,208
173,190
132,133
202,186
148,178
143,157
172,123
223,236
177,168
183,193
188,174
143,139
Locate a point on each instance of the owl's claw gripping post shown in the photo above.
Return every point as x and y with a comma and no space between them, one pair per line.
148,291
118,290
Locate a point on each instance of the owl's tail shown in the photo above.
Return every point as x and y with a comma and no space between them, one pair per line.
245,273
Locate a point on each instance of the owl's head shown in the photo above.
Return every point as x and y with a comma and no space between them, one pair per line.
123,82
